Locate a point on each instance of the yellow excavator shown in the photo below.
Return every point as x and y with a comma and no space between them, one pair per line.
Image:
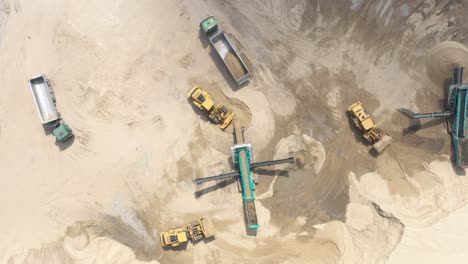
218,113
196,230
370,130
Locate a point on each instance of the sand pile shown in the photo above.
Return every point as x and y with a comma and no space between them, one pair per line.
429,245
234,65
309,153
443,57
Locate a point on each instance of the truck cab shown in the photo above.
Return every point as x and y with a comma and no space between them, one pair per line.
209,25
63,133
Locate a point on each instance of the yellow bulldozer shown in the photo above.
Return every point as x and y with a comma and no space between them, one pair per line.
370,130
218,113
196,230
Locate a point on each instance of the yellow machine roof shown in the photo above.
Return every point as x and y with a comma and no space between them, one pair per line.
359,112
367,123
208,104
182,237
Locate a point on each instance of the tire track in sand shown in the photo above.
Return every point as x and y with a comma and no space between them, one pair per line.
391,170
89,100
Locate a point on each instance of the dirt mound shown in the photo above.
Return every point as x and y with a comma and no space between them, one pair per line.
309,153
443,57
234,65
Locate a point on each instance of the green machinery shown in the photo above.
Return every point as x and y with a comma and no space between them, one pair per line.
456,109
63,132
209,25
242,157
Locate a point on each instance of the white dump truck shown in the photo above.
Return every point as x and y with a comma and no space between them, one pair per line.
44,99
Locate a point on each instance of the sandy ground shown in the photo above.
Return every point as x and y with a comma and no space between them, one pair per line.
121,70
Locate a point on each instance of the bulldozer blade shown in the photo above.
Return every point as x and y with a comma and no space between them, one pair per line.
227,121
382,144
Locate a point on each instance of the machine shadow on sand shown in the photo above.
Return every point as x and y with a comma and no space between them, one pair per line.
219,185
64,145
199,112
223,183
61,145
415,124
47,130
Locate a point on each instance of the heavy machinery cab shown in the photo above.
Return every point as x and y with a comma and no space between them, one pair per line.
201,98
173,237
207,104
63,132
218,113
194,231
361,117
209,25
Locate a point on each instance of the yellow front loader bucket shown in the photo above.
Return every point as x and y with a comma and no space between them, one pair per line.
227,121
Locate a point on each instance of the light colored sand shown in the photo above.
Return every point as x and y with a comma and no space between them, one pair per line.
443,242
337,232
113,88
234,64
281,99
121,73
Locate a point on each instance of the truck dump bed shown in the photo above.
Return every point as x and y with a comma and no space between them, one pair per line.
462,153
230,57
43,98
251,214
459,137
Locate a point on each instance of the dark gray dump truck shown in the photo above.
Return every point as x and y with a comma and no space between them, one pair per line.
226,51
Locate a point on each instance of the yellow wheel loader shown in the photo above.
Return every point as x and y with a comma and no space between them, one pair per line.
218,113
370,130
196,230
